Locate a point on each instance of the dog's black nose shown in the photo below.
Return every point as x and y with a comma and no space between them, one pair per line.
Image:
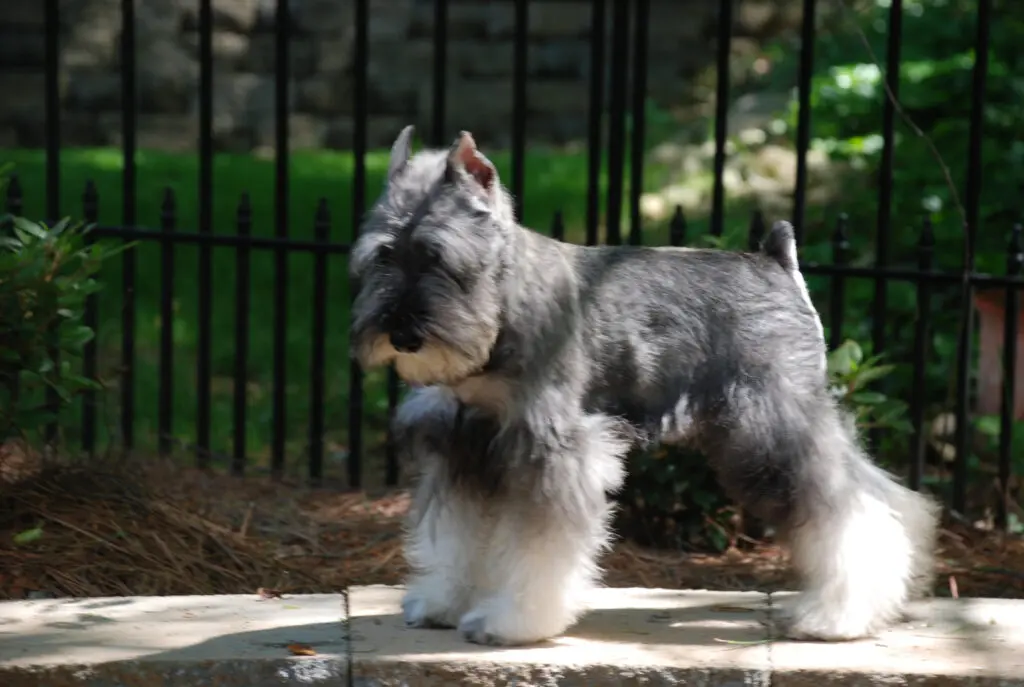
405,341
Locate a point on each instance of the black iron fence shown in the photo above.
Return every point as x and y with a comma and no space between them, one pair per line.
623,57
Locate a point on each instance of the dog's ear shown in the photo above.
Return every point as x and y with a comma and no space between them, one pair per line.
401,150
464,156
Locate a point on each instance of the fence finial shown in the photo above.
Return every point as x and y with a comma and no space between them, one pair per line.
756,231
15,196
558,226
90,201
677,227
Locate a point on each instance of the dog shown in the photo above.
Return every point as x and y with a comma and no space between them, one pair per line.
535,366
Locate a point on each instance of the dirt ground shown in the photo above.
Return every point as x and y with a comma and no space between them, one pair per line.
171,530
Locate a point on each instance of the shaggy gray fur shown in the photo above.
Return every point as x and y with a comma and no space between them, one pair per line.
531,348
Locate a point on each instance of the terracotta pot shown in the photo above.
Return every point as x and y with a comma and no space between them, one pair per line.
991,313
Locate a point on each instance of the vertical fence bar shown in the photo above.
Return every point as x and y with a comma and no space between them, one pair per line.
390,447
1011,309
14,201
52,113
14,204
837,295
90,213
440,83
168,222
724,49
595,118
922,332
756,232
972,202
558,226
803,125
321,234
359,90
282,24
637,145
884,216
128,126
205,282
519,77
617,120
243,222
677,228
52,94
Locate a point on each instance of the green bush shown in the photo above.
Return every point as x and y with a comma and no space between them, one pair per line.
46,275
672,498
848,97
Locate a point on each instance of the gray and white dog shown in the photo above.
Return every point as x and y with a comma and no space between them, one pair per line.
539,364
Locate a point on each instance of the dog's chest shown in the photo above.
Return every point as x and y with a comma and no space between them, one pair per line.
487,392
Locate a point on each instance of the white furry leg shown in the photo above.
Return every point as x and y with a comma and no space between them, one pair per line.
857,565
539,575
863,559
442,547
542,558
444,529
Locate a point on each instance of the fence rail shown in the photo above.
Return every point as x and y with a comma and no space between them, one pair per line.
623,56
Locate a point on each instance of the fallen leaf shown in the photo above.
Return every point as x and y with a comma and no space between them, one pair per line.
265,593
28,536
301,650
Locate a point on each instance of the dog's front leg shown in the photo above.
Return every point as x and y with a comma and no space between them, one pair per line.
446,526
549,526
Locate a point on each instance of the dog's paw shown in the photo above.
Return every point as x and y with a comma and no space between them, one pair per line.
416,614
817,627
473,628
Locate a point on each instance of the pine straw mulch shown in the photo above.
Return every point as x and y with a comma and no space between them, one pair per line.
169,530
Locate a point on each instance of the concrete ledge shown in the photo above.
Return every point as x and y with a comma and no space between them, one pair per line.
645,637
229,641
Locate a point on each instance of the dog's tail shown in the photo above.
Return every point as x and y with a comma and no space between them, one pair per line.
780,245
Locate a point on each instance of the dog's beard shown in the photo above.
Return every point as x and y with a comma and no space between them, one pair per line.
435,363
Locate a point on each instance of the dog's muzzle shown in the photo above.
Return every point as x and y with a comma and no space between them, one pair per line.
405,341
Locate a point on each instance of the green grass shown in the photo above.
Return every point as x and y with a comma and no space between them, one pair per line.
555,181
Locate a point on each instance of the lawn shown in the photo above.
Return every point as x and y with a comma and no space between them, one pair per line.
555,181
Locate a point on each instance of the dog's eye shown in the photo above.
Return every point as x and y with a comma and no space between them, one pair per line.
432,255
384,252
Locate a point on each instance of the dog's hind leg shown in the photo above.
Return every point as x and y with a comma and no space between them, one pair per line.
860,542
544,546
445,530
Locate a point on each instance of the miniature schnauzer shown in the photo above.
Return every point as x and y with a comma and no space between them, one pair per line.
537,365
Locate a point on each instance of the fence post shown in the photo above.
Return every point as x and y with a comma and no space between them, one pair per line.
677,228
243,224
90,212
1007,415
755,234
168,222
973,204
321,234
837,300
925,257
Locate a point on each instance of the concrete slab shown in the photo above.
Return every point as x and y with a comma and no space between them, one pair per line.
977,642
140,641
631,637
649,637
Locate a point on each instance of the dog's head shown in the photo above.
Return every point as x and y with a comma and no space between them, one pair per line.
428,265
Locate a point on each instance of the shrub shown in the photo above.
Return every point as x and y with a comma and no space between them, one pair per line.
46,276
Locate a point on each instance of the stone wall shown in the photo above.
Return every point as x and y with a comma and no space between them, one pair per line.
479,88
